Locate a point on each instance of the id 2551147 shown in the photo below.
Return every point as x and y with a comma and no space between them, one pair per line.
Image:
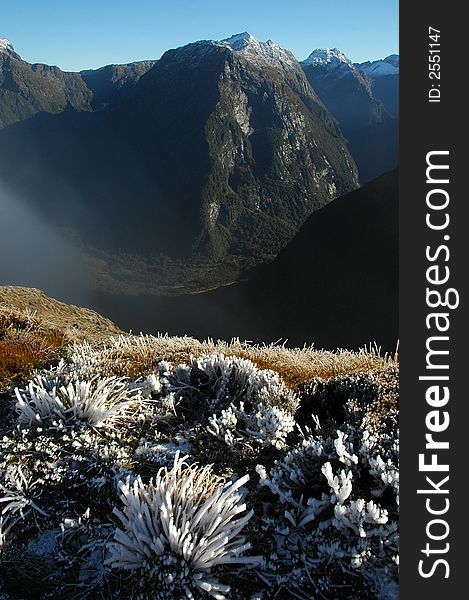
434,64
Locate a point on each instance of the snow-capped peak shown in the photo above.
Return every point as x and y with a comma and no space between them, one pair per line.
240,41
327,56
6,45
252,48
380,68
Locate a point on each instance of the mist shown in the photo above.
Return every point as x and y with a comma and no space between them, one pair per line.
33,254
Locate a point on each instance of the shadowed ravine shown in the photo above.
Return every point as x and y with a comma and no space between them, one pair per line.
335,284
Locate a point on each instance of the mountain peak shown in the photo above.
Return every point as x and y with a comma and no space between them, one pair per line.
392,59
327,56
381,68
251,47
6,46
240,41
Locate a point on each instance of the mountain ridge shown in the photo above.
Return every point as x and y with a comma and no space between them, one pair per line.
244,150
92,89
349,93
216,152
28,89
381,67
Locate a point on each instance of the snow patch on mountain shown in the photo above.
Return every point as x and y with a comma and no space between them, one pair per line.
6,45
327,56
381,68
252,48
241,41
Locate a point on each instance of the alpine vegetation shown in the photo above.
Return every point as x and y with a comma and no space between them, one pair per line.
178,528
97,401
338,495
155,467
245,404
5,526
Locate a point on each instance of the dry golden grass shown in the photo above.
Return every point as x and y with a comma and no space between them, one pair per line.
23,351
34,330
297,366
33,305
139,355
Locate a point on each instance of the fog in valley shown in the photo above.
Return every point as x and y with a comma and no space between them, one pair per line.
33,254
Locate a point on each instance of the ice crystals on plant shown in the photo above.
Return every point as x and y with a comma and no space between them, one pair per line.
179,527
96,401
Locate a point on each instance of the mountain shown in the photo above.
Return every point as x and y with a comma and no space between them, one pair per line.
384,75
24,93
26,89
94,89
6,48
111,81
348,93
381,68
221,149
337,281
335,284
70,85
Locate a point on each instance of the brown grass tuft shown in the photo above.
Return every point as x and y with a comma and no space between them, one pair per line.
133,356
25,346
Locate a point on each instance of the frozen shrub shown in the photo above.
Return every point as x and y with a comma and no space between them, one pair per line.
114,413
96,401
161,450
83,361
376,391
19,493
179,528
267,425
219,380
149,386
238,401
333,490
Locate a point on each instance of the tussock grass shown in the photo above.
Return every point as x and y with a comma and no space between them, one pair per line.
39,324
34,306
26,345
74,460
139,355
35,331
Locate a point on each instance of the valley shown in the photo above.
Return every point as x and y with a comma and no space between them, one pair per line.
178,187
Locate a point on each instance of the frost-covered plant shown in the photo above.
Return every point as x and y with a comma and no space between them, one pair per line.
268,425
19,492
161,450
97,401
326,512
381,451
221,380
333,487
179,528
83,360
238,401
342,398
289,477
149,386
5,526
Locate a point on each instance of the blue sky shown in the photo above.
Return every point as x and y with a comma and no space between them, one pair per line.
89,34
